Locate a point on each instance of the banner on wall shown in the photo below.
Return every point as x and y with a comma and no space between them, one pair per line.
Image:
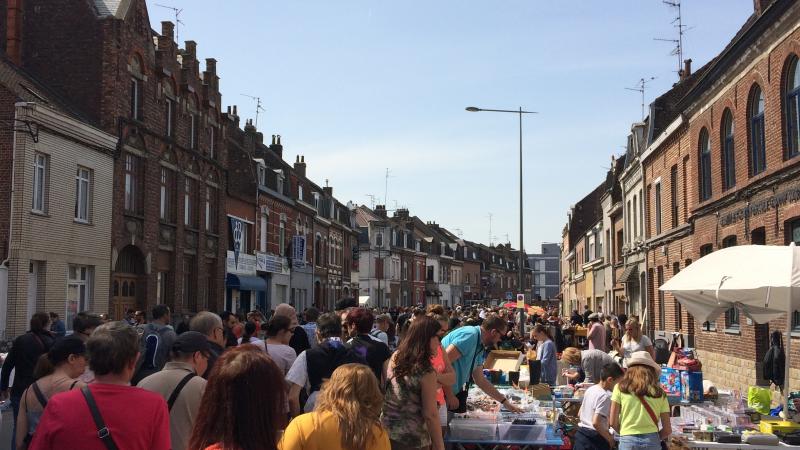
237,236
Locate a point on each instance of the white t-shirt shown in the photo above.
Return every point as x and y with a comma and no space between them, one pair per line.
596,401
283,355
298,375
255,341
630,346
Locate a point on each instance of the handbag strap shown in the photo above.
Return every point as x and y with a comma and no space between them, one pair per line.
474,358
39,394
177,391
649,410
102,430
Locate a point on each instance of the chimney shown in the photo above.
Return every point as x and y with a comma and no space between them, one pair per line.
190,50
248,126
168,29
380,211
687,69
328,190
300,166
401,213
759,6
14,31
276,145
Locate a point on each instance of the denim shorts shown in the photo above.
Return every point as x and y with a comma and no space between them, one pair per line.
649,441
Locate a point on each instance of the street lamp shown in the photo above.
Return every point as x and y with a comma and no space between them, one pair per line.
520,111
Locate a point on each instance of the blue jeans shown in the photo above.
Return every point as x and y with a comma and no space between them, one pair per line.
649,441
15,400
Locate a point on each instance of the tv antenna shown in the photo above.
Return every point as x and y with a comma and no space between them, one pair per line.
178,21
372,200
259,108
386,189
490,229
640,88
678,22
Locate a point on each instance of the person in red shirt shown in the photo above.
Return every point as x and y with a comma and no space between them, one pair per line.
136,419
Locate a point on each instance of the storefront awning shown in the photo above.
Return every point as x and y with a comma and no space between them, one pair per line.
245,282
363,299
630,275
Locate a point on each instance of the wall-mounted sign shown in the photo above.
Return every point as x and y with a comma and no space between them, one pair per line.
244,264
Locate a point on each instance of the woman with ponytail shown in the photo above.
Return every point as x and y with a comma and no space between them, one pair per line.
56,371
249,336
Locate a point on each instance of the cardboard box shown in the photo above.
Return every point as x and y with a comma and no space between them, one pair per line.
505,360
671,382
692,386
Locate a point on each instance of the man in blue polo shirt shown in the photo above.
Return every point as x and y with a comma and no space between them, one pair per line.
465,348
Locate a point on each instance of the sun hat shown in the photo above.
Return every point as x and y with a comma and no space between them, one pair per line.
643,358
594,316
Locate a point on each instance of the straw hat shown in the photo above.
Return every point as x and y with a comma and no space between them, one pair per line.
643,358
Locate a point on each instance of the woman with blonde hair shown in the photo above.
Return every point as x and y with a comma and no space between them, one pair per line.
634,341
346,416
638,405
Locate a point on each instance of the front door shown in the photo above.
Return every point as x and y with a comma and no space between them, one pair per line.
124,288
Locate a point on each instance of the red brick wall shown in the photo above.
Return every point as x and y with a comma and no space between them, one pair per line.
7,100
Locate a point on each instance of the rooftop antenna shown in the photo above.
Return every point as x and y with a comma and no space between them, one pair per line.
178,21
641,86
678,21
386,188
459,232
507,239
372,201
490,229
326,183
259,108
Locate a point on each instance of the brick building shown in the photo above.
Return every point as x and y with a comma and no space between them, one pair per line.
168,234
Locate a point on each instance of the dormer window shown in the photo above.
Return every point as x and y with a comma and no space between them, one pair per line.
300,192
279,180
262,176
316,201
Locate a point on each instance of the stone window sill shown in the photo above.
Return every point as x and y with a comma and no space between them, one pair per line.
735,331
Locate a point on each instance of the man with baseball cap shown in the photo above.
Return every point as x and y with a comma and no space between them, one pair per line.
597,333
181,385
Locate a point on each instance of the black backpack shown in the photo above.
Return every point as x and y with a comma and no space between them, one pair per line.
663,352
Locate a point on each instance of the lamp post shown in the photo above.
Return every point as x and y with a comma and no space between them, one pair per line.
520,279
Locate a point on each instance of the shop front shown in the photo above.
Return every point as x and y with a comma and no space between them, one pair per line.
244,289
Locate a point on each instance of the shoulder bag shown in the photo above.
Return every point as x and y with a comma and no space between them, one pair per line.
102,430
177,391
653,416
462,395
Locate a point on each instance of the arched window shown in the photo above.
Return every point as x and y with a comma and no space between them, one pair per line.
705,165
792,109
758,153
124,288
728,157
116,288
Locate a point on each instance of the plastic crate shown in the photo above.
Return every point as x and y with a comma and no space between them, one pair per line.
472,430
522,433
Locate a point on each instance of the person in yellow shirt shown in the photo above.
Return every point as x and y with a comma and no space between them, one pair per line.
639,404
346,416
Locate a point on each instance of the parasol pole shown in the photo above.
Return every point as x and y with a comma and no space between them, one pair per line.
787,360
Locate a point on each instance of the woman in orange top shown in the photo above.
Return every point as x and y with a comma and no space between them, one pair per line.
445,374
346,416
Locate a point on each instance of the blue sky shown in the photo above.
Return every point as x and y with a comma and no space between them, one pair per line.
360,86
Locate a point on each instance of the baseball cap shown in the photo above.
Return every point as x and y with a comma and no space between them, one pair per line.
190,342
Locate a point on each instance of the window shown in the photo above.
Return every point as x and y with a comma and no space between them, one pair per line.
657,206
758,152
300,192
418,272
673,195
83,183
169,118
262,232
282,238
405,270
189,294
728,156
211,141
279,186
792,109
729,241
706,249
318,250
793,231
40,163
429,274
131,179
211,209
379,240
732,319
189,198
705,165
194,125
79,282
167,205
796,321
635,218
758,236
628,217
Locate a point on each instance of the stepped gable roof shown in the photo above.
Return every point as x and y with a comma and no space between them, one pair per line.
112,8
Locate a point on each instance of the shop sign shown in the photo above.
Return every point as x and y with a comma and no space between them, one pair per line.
269,263
299,251
244,264
759,207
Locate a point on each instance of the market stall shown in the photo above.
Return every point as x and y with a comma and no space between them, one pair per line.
763,282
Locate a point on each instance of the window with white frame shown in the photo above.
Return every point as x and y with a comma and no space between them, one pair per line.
280,179
40,163
262,232
194,125
282,237
300,192
167,203
131,178
79,292
211,208
83,183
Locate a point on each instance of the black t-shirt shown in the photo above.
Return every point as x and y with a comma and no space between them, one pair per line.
299,340
373,351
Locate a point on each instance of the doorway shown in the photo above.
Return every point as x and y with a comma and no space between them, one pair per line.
127,282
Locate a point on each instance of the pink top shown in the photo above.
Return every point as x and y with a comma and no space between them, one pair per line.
597,337
437,361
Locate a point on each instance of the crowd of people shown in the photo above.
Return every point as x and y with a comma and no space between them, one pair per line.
351,379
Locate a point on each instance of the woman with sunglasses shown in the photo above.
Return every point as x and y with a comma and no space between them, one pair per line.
279,333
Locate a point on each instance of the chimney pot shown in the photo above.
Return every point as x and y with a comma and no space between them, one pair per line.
211,65
687,68
303,159
273,139
191,49
168,29
235,113
279,139
14,31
